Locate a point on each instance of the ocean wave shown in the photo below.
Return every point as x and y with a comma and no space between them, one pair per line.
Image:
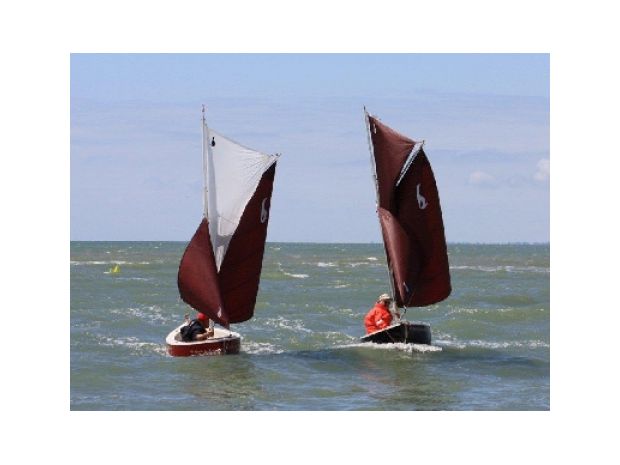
325,264
371,262
495,311
456,344
294,325
336,335
506,268
133,344
106,262
292,275
296,275
259,348
338,284
148,313
347,311
399,346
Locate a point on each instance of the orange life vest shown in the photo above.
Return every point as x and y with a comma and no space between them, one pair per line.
377,318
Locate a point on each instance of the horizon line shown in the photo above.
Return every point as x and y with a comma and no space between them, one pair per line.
325,243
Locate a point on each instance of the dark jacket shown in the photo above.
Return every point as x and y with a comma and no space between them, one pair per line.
191,330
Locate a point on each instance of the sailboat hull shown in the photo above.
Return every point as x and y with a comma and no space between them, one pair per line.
405,332
224,342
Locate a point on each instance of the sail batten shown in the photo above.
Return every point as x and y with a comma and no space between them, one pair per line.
410,216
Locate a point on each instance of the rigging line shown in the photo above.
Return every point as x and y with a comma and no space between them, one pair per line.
372,156
207,159
374,177
205,189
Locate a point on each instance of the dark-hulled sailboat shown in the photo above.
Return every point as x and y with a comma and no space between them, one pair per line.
219,273
412,228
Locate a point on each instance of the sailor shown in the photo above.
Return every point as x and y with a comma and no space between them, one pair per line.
198,329
379,317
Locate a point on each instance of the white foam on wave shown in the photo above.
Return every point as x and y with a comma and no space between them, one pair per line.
296,275
294,325
292,275
372,259
336,335
456,344
148,313
348,312
469,311
325,264
259,348
132,343
472,311
106,262
507,268
356,264
399,346
532,344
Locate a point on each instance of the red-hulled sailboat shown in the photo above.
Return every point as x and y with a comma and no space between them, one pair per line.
412,228
220,270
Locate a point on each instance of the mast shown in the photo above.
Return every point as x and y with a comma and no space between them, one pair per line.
210,205
205,193
374,178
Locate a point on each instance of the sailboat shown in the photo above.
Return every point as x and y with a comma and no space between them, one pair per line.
412,228
219,272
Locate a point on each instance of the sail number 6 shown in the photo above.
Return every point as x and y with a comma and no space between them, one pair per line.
422,203
263,211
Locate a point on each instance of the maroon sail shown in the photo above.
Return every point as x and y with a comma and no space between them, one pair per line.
240,271
410,217
198,280
219,273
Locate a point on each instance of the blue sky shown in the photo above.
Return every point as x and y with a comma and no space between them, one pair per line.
136,153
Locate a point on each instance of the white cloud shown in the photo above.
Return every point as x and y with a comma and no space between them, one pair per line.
542,172
480,178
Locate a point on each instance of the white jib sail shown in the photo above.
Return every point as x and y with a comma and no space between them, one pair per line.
232,174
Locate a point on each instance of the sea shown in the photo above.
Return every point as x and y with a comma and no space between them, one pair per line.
301,350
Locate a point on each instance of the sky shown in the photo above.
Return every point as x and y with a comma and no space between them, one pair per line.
136,140
135,128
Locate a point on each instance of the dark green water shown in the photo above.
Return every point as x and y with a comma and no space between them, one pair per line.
301,351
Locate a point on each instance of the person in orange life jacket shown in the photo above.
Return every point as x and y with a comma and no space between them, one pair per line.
379,316
198,329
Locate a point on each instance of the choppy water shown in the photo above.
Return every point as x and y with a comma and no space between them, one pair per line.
301,352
